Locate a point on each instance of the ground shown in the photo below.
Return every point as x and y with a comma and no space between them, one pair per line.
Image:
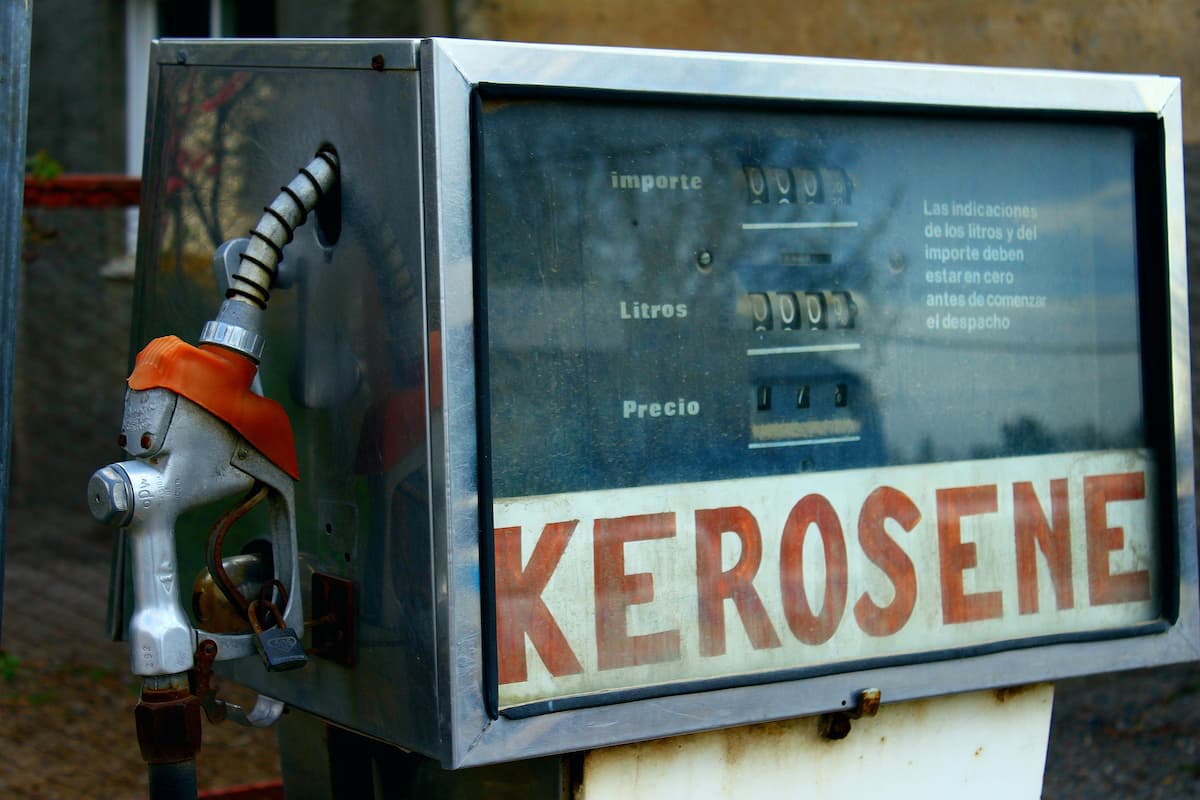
66,692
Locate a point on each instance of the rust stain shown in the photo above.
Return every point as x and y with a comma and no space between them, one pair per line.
1009,692
739,741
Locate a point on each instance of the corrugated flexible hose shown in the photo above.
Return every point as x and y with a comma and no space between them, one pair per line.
260,262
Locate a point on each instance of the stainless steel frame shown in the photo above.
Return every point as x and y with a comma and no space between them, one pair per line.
449,71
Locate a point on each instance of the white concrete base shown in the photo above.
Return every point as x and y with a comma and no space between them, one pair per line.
982,745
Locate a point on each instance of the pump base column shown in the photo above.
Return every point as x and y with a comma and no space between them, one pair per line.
981,745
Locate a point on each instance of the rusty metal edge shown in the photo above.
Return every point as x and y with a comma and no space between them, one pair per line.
15,26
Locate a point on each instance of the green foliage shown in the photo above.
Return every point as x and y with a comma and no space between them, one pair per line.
42,167
8,666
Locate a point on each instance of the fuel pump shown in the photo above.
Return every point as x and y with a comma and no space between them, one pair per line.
197,432
677,393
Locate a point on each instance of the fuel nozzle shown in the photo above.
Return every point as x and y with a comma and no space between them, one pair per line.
197,432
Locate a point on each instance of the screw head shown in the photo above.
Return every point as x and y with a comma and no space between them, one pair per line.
110,497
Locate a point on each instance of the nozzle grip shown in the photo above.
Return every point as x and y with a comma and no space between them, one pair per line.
162,641
190,458
282,501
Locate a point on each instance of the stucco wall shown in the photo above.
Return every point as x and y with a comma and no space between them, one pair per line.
77,85
363,18
72,324
1141,36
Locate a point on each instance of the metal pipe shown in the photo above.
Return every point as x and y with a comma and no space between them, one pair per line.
168,731
15,16
173,781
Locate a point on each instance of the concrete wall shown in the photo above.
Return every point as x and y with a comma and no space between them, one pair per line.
1141,36
77,84
364,18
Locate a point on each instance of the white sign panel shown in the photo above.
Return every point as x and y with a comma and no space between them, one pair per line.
617,589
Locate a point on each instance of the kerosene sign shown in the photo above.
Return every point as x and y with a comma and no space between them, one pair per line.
768,574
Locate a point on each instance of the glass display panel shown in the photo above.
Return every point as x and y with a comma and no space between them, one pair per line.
771,391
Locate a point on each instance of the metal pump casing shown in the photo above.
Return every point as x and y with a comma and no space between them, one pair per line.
378,351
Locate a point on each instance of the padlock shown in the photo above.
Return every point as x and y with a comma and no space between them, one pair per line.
279,646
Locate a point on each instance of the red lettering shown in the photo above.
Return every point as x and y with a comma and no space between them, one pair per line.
808,627
715,586
616,591
955,555
520,610
882,504
1031,527
1104,587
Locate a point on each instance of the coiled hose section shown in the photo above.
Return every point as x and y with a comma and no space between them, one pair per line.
260,262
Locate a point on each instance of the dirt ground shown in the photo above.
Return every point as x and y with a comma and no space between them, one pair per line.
1127,736
66,693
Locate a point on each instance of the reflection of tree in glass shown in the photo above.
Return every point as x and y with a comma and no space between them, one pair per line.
925,451
1025,436
199,145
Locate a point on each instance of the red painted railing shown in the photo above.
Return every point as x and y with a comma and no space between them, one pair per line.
83,191
268,790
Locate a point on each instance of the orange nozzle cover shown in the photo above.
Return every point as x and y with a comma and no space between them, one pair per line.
218,380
